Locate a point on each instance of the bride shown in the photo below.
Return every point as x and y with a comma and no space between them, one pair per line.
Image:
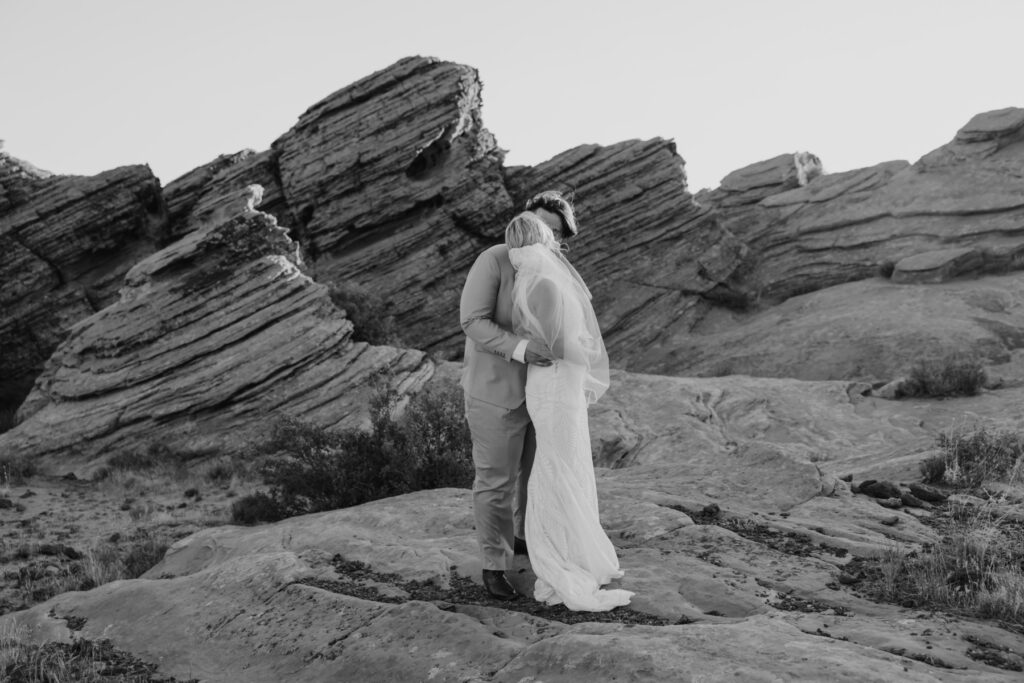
569,551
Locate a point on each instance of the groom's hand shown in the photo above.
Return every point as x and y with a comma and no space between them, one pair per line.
537,354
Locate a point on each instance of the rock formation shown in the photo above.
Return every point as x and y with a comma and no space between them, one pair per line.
871,330
397,185
653,257
843,227
210,336
65,244
208,193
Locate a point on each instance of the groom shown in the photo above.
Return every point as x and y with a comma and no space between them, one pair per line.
493,378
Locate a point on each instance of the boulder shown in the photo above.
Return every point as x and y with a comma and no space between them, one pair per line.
65,244
927,493
210,337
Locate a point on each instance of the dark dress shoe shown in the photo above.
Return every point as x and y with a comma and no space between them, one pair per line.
498,586
519,546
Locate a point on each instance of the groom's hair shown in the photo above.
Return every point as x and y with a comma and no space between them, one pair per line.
555,202
527,228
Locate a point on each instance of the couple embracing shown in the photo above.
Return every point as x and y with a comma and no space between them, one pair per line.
534,361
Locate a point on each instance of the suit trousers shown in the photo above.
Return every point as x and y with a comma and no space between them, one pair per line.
504,443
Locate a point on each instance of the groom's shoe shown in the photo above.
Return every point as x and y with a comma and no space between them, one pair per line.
498,586
519,546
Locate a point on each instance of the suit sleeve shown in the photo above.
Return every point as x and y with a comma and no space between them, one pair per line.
477,306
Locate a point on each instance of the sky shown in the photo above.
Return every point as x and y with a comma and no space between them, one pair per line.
89,86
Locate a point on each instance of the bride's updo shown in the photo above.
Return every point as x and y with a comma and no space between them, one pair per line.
527,228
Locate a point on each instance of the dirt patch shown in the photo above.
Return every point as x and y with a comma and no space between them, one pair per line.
993,655
358,580
67,533
793,603
788,542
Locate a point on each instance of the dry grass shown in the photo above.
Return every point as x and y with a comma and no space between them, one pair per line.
64,569
77,661
973,453
976,569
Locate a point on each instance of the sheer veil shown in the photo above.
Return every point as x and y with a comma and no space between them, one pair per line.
551,304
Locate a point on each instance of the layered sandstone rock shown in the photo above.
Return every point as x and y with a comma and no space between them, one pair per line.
652,257
18,180
873,330
396,185
762,179
936,266
65,244
842,227
277,602
208,193
209,338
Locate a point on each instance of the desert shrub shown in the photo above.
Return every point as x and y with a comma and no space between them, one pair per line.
15,469
255,508
973,453
933,469
370,321
424,445
955,374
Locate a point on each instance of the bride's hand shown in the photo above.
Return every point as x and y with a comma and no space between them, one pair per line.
537,354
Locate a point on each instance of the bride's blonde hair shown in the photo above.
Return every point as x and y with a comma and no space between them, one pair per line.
527,228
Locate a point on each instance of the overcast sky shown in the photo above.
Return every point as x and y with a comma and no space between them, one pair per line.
88,86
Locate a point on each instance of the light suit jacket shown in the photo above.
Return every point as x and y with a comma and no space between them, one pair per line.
489,373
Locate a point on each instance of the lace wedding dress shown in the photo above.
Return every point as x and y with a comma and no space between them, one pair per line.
569,551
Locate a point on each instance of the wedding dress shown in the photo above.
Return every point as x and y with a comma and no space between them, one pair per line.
569,551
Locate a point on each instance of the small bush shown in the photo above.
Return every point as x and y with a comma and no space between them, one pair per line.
933,469
370,321
256,508
974,453
426,445
952,375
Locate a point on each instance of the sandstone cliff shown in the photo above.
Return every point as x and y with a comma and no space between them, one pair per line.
394,183
65,244
208,338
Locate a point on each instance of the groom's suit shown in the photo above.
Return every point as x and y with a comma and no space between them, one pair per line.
494,383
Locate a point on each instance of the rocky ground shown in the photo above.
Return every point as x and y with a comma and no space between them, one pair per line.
60,532
749,554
